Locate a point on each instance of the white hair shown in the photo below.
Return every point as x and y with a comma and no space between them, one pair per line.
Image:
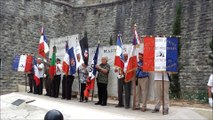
105,57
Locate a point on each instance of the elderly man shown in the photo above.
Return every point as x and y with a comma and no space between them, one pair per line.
210,90
102,81
122,84
143,84
41,75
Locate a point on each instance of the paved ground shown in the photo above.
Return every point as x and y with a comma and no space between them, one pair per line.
72,109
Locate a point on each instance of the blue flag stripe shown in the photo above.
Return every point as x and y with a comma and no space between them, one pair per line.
172,55
16,63
95,60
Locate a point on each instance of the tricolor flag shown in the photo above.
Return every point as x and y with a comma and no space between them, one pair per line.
72,61
23,63
36,73
160,54
52,69
119,58
132,61
43,47
66,60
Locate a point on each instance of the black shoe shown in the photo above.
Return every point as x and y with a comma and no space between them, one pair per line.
85,101
103,104
127,107
80,100
155,110
98,103
62,98
117,106
166,112
29,92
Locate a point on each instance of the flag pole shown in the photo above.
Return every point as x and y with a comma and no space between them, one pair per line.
79,84
163,92
134,81
25,82
134,92
93,90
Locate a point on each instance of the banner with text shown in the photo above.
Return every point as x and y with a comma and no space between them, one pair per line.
160,54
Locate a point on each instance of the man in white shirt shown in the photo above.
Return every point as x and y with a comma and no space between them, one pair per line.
41,75
210,90
158,92
57,79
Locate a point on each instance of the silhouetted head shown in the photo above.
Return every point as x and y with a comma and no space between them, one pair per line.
53,115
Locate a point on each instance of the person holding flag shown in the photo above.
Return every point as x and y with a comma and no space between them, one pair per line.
102,81
121,65
132,64
92,75
82,69
40,66
143,84
57,79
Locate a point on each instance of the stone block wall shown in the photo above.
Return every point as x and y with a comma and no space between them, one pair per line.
21,20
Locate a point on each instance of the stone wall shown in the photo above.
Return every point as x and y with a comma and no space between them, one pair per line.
21,20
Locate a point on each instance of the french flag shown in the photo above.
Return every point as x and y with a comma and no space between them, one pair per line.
23,63
36,73
66,60
160,54
43,47
132,61
119,58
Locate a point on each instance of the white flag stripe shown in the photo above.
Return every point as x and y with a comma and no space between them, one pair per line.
22,63
160,54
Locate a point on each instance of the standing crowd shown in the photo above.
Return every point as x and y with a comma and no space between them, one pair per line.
52,85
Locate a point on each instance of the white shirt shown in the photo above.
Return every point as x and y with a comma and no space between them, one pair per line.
210,82
41,72
58,69
158,76
125,66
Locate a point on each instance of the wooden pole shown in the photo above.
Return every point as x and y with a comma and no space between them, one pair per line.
25,82
93,91
134,92
163,91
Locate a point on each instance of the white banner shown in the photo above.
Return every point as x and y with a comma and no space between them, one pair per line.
22,63
160,54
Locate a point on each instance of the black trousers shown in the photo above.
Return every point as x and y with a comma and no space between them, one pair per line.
31,80
102,93
40,87
55,86
67,86
127,87
35,91
83,86
48,85
120,91
124,87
